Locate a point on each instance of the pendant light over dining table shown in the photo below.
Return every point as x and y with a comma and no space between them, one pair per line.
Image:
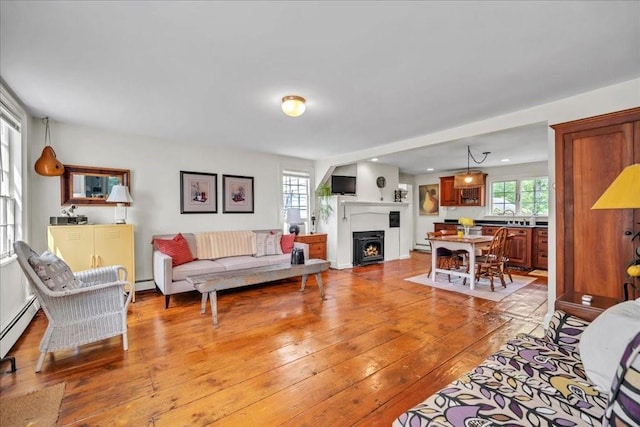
47,164
470,178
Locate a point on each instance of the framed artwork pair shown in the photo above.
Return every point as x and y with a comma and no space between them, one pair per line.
199,193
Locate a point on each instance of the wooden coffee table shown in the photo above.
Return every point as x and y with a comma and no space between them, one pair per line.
209,284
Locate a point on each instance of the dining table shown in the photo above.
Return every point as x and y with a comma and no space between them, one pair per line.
469,244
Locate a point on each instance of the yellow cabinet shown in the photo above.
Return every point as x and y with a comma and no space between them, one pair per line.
91,246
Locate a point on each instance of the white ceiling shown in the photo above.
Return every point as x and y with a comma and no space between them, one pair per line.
373,73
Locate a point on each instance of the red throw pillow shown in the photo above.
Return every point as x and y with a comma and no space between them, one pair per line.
286,243
177,248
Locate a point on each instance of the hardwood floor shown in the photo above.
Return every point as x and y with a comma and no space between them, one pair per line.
375,347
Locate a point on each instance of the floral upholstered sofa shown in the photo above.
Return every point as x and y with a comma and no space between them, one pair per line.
542,381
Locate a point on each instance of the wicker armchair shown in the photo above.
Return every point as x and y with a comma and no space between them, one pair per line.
92,312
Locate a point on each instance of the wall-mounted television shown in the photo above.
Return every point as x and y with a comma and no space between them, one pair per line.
341,184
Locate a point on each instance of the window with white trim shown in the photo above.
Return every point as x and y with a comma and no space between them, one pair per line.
296,193
10,143
529,196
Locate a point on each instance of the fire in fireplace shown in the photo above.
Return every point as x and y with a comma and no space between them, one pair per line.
368,247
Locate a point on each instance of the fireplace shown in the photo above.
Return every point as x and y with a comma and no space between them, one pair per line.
368,247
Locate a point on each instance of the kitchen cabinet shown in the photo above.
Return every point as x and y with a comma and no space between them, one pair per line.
593,247
541,244
521,247
438,226
317,244
84,247
450,196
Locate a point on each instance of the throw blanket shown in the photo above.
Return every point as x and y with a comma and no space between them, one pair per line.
220,244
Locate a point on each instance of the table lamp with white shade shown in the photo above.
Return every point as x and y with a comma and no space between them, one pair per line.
120,195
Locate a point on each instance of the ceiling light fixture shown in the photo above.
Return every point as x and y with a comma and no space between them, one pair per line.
470,178
293,105
47,164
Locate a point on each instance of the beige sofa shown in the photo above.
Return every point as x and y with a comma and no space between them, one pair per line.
214,252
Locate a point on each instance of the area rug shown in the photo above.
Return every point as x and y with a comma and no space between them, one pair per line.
38,408
482,288
542,273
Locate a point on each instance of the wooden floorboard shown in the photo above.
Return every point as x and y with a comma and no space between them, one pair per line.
376,346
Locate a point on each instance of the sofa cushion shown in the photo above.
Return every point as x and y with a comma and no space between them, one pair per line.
196,268
177,248
54,272
222,244
286,243
240,262
605,339
268,244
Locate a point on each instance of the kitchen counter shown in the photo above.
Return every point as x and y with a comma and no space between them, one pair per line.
480,223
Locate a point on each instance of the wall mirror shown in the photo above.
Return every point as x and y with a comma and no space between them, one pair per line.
84,185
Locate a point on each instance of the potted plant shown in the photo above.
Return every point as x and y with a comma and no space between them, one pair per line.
323,192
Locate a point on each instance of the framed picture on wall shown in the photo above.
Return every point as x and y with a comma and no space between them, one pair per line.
237,194
198,192
429,196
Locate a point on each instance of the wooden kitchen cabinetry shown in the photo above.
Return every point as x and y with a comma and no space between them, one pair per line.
439,226
450,196
593,247
520,254
541,245
317,244
90,246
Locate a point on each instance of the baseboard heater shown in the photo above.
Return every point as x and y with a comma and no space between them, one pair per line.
423,247
15,328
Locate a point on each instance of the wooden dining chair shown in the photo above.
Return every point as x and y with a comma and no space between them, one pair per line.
491,264
505,256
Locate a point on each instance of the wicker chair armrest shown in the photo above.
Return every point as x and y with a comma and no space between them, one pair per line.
87,302
102,274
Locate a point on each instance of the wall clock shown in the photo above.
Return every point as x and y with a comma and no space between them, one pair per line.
381,182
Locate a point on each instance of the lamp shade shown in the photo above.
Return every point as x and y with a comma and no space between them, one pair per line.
293,216
119,194
293,105
624,191
472,179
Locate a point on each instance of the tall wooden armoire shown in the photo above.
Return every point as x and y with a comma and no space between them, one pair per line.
593,247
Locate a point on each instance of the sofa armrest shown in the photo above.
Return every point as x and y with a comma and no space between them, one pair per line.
304,247
565,329
162,270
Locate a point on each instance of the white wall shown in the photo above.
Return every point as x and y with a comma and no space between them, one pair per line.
155,184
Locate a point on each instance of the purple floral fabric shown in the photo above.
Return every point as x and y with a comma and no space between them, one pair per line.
529,382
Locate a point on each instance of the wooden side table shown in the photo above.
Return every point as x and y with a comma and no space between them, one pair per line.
317,244
571,303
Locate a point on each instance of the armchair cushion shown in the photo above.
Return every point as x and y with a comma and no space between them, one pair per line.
177,248
54,272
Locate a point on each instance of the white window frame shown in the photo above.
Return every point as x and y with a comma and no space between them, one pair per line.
306,209
518,196
11,194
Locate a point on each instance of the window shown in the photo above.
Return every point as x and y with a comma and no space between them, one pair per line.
10,142
295,193
534,196
525,197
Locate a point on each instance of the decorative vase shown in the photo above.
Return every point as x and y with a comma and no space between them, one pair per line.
466,230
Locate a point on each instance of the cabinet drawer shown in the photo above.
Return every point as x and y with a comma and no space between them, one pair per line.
312,238
316,251
542,232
